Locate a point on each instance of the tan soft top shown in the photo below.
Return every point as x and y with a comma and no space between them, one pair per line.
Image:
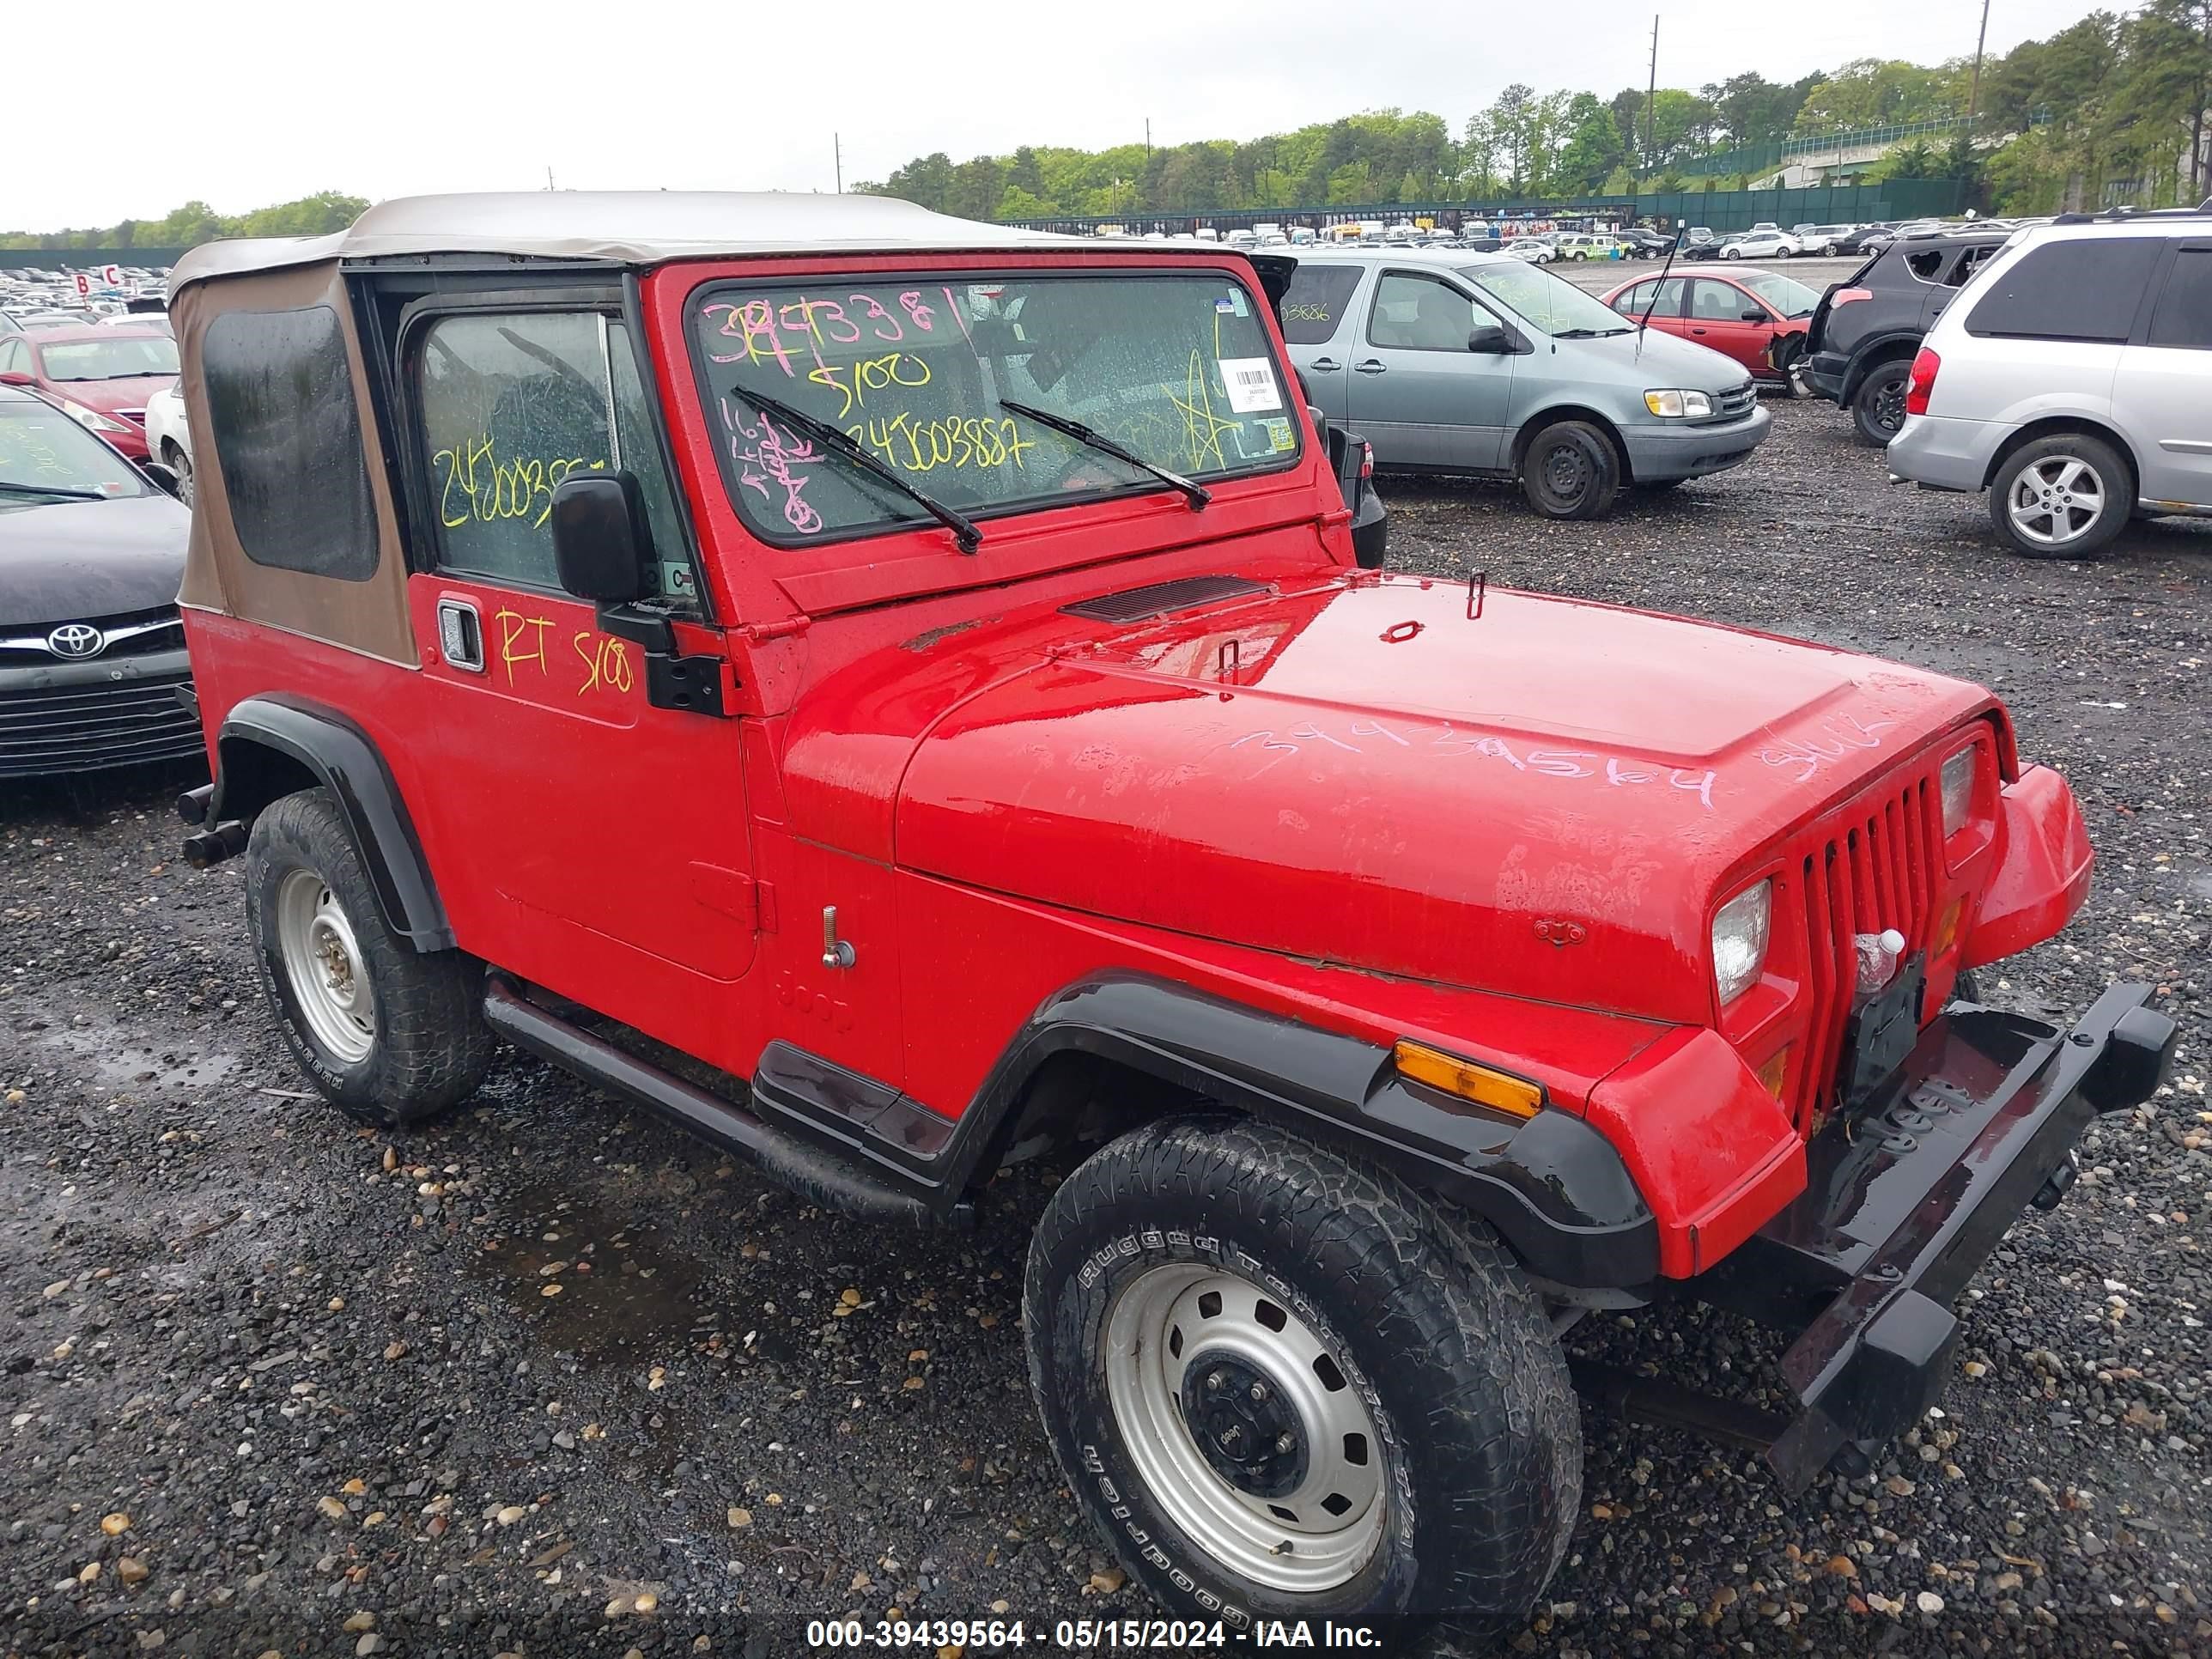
625,227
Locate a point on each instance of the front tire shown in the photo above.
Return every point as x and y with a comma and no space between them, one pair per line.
1241,1342
1570,471
2061,497
389,1035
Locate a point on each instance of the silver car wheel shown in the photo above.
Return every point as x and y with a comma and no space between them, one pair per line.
324,965
2055,500
1245,1428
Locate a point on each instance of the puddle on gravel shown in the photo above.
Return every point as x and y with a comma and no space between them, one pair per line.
618,1292
137,1067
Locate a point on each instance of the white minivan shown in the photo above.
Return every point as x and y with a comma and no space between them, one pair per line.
2072,380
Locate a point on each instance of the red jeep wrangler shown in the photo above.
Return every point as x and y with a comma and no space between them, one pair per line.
893,694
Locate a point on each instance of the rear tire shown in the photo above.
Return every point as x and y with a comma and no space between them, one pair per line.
1203,1287
1570,471
1878,406
389,1035
181,464
2062,497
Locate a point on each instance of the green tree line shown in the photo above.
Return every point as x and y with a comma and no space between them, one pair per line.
196,222
2114,105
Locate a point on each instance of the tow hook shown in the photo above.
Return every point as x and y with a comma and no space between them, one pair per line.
2048,1194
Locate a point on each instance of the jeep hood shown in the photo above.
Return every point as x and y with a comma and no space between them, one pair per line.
1363,775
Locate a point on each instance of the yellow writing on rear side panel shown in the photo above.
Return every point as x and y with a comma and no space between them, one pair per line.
478,486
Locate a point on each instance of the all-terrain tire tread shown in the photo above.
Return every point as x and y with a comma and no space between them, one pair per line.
1499,1441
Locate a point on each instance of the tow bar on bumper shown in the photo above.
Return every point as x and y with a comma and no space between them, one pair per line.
1903,1202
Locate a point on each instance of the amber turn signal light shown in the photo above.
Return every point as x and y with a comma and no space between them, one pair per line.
1499,1090
1775,1072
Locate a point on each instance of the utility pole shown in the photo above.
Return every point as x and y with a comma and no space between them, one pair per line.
1148,143
837,161
1651,102
1974,91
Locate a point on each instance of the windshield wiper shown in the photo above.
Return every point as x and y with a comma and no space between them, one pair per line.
1590,333
1196,493
14,489
964,529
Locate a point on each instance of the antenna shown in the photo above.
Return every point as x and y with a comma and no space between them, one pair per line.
837,160
1657,283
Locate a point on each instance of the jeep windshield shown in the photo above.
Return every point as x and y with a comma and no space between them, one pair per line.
931,378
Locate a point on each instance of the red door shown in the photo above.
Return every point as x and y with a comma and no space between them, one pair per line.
1727,320
1666,312
608,851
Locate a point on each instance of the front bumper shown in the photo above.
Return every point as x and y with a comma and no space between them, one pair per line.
1906,1200
1691,452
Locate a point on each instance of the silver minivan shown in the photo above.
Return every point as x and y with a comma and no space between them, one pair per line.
1449,362
2072,380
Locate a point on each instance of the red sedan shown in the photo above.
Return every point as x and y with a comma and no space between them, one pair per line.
100,375
1757,317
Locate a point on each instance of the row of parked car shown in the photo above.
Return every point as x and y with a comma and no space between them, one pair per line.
2090,400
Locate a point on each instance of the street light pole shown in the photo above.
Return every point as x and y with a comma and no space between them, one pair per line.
1974,92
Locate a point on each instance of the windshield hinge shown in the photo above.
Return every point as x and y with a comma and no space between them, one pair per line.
789,628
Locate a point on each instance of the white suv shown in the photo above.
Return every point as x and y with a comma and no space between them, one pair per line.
2072,380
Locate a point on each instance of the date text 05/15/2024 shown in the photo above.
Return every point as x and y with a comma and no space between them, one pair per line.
1000,1635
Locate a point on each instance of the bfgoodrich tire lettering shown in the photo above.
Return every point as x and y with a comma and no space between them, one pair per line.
1430,1323
419,1044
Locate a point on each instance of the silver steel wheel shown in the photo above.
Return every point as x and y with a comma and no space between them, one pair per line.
1245,1428
315,938
2055,500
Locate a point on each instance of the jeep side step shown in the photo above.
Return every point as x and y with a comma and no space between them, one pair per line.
815,1176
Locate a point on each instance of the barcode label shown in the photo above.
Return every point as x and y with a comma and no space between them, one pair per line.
1250,384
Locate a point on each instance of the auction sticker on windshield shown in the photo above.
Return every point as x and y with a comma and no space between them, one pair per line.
1250,384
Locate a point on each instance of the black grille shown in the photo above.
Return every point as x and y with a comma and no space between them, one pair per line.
88,727
1161,599
1736,402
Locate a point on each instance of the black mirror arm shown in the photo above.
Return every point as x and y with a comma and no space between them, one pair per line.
641,627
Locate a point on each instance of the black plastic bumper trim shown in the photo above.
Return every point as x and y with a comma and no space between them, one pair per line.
1870,1364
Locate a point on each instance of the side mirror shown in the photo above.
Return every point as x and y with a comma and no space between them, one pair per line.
1490,340
16,377
1753,314
161,475
600,540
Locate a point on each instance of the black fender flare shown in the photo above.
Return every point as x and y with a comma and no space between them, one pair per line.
1882,348
1554,1188
345,760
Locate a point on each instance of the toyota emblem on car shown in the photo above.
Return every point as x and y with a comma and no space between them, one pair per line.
76,639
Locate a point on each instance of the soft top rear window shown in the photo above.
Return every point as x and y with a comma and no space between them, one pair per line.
1175,366
2087,288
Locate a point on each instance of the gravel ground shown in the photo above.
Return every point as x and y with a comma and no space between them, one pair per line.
549,1378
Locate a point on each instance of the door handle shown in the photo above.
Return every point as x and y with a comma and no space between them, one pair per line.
1372,366
460,635
1324,366
1697,331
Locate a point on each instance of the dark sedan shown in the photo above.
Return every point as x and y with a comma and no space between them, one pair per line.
92,653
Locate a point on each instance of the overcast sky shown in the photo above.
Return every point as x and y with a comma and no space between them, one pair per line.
243,103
